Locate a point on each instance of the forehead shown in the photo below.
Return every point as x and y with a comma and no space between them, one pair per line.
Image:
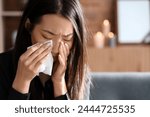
56,23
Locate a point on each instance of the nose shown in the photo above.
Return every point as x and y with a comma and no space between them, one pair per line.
56,44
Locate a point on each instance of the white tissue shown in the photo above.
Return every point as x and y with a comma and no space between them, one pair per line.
47,65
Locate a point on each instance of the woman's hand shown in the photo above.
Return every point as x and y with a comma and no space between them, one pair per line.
59,69
60,65
29,64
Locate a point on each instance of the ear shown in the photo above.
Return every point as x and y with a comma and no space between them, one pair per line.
28,24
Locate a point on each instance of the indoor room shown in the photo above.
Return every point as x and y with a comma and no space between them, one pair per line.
117,42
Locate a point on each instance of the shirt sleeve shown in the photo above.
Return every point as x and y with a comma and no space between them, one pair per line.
63,97
15,95
6,79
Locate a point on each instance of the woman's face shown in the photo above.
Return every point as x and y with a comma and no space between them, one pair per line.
55,28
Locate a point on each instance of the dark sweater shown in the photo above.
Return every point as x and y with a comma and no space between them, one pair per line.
36,91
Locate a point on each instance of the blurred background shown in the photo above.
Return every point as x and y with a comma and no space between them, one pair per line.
119,32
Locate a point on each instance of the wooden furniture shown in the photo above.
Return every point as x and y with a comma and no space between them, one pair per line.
129,58
95,12
122,58
10,12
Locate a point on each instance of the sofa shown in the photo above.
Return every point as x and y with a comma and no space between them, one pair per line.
120,86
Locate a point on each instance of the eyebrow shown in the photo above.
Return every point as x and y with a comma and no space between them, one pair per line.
57,34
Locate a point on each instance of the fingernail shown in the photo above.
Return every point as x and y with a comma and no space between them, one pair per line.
66,45
47,55
62,43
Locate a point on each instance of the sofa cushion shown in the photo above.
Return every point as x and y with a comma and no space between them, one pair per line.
120,86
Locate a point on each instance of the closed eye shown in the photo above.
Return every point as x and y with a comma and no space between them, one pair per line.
68,37
47,37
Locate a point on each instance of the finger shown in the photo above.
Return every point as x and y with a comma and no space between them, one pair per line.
67,49
32,49
39,51
40,62
61,52
64,50
61,60
38,58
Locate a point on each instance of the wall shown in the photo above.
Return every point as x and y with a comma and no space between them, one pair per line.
127,58
98,10
95,12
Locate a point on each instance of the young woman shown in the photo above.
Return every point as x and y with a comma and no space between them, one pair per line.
62,22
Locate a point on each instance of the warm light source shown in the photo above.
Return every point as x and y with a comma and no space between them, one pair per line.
106,27
112,39
99,40
111,35
106,22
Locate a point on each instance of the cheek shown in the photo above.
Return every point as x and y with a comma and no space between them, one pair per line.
69,44
36,36
33,39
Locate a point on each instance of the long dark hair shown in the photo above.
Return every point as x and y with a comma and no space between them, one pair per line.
71,10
